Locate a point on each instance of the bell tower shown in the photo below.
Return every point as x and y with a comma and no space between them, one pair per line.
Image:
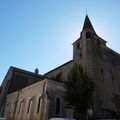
87,51
87,47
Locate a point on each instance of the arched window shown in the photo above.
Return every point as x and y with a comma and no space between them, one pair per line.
39,104
29,105
20,106
57,107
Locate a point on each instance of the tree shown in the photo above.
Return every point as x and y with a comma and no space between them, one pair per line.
79,89
116,101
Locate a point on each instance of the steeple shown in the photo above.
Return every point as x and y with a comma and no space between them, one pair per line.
87,24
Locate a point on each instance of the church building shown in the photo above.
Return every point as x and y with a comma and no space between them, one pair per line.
26,95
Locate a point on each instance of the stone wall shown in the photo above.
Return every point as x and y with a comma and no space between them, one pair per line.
60,73
102,64
38,101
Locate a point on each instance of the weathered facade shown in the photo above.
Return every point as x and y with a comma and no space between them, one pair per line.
40,97
37,102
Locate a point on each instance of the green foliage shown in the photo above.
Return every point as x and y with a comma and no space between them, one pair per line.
79,91
116,101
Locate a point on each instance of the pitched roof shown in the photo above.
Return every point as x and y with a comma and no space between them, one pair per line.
25,72
87,23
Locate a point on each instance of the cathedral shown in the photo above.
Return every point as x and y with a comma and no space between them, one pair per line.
26,95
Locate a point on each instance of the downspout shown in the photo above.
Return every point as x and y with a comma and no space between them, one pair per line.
42,112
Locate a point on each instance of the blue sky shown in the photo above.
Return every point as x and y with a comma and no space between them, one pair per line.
40,33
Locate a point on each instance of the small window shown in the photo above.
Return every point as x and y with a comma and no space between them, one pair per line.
57,111
102,73
78,45
88,35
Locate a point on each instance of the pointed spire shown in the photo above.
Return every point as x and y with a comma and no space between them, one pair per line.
87,24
